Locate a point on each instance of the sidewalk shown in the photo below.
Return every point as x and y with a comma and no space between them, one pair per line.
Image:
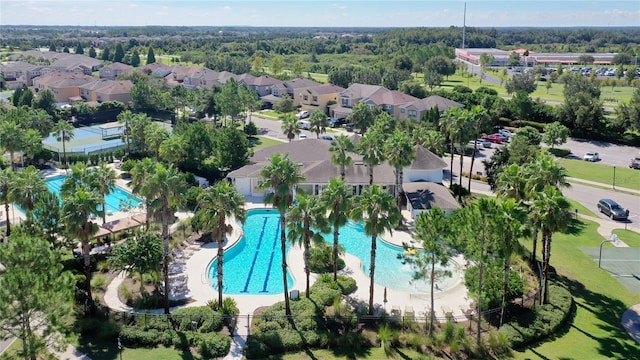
604,186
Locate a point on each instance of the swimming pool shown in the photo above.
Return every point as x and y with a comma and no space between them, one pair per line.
252,266
115,200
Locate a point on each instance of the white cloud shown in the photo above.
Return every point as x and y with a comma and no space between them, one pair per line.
341,7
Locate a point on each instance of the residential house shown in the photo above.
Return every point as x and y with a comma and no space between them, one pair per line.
351,96
293,88
106,90
389,101
418,108
262,84
112,71
19,73
319,97
423,195
63,85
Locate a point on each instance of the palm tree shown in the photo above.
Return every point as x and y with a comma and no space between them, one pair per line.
340,148
167,187
551,208
11,134
105,181
432,228
27,188
77,209
307,219
125,118
480,122
337,201
371,147
280,178
399,153
450,126
290,126
319,122
63,132
511,183
465,126
31,144
140,185
362,117
172,149
216,205
6,193
377,208
511,223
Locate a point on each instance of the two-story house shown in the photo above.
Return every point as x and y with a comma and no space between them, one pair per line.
19,73
261,84
418,108
112,71
293,88
389,101
351,96
319,97
63,85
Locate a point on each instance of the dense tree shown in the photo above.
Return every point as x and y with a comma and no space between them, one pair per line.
628,114
27,187
217,205
555,134
119,54
521,82
276,65
514,59
285,104
232,149
337,200
92,52
47,220
79,49
106,54
230,101
141,253
172,149
375,206
6,194
151,57
585,59
306,222
582,109
46,101
36,295
432,79
441,65
279,179
135,59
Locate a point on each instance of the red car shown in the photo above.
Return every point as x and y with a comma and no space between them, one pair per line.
493,138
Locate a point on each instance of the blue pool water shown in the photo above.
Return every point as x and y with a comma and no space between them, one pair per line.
115,199
253,265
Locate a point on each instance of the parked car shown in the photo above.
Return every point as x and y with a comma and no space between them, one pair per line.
485,143
635,162
505,132
302,136
337,122
480,144
302,115
591,156
348,127
494,138
326,137
612,209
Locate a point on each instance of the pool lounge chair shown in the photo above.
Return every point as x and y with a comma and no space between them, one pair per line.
395,311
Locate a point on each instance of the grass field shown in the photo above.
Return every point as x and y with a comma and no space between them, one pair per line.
103,350
625,177
581,208
629,237
595,331
261,142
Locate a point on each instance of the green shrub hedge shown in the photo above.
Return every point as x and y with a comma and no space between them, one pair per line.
545,320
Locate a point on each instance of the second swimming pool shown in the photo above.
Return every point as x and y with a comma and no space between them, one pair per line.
253,265
116,199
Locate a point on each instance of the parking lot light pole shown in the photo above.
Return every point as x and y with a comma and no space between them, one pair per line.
614,176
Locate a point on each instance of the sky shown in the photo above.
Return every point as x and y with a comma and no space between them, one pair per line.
321,13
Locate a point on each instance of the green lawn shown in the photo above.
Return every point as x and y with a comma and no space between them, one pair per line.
595,332
369,353
581,208
103,350
625,177
263,142
629,237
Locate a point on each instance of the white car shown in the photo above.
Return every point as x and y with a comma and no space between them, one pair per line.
591,156
505,132
302,115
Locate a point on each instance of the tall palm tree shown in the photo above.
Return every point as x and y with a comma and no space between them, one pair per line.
172,149
11,134
511,183
511,223
377,208
337,201
142,171
6,193
31,144
480,122
319,122
449,125
126,118
340,150
290,126
432,229
63,132
167,186
105,181
216,205
551,208
399,153
362,116
307,219
465,126
77,209
27,188
279,178
371,147
80,175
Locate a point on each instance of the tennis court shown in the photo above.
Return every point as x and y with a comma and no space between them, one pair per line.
95,138
623,263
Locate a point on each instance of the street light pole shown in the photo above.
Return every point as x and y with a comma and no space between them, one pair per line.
599,256
614,176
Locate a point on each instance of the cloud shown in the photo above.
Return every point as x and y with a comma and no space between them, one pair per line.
227,8
336,6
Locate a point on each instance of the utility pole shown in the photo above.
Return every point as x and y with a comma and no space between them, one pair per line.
464,24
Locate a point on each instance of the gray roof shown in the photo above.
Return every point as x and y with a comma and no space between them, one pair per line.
431,101
425,195
426,160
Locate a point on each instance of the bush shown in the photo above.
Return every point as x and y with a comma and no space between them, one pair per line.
322,258
544,321
522,123
559,152
127,165
213,345
205,318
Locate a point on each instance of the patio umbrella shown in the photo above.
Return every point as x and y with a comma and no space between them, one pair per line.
385,296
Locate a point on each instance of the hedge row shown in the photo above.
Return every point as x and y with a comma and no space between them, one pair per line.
544,321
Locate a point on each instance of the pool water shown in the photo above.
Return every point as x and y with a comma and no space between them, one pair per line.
253,265
117,198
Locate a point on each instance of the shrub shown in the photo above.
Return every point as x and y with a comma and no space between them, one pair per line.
521,123
544,321
199,315
127,165
322,258
213,345
125,293
559,152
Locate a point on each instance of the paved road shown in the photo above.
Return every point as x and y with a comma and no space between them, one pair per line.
4,344
610,154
